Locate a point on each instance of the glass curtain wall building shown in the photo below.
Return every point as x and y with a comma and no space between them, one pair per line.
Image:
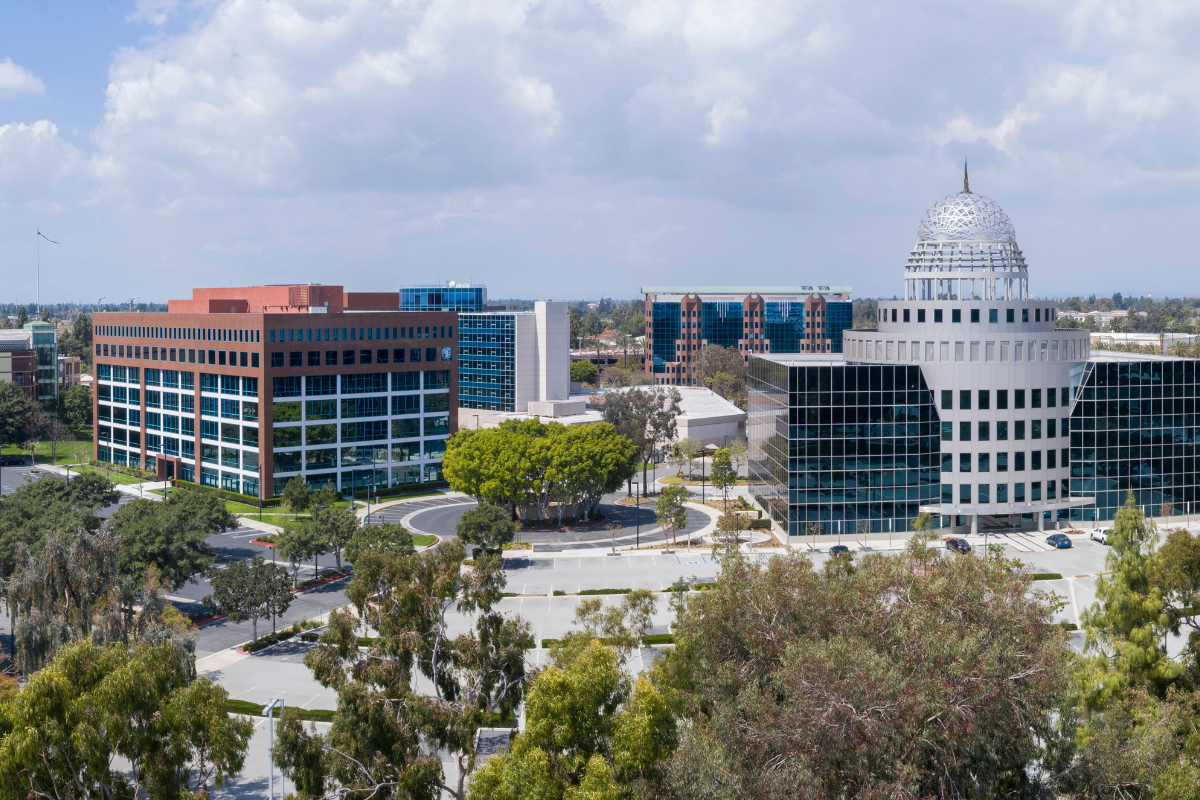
843,449
1134,429
780,319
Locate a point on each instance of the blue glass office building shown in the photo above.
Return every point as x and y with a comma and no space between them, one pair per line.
779,319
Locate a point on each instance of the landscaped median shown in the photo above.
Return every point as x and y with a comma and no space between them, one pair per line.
647,641
256,710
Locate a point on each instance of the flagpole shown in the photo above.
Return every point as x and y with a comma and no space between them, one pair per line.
39,238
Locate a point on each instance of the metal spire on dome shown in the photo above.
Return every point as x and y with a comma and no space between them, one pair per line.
966,184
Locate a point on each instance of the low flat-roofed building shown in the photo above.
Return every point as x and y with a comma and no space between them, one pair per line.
18,361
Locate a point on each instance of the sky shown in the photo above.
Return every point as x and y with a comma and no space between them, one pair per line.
585,148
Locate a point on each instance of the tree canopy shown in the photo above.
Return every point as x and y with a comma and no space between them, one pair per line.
50,504
553,469
646,416
170,535
118,722
487,526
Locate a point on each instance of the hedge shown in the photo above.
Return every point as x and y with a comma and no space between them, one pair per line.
760,524
432,487
225,494
606,591
1046,576
256,709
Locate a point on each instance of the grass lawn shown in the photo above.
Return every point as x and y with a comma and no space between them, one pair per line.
68,452
423,540
674,480
238,507
115,477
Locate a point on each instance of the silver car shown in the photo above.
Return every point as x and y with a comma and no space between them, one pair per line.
1100,535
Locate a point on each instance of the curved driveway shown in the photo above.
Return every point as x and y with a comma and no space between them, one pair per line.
440,516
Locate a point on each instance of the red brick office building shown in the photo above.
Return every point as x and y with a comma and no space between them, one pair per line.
244,388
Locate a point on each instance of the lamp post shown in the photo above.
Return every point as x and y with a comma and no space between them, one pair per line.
637,513
268,712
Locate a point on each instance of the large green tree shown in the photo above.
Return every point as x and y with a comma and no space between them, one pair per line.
336,526
388,739
486,526
907,675
111,722
553,468
248,590
50,504
170,535
77,406
645,416
16,411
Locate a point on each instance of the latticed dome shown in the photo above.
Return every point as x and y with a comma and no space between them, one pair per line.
966,217
966,250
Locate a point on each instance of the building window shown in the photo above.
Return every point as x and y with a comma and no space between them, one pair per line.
276,360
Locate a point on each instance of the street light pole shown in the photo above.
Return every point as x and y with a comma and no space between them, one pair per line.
637,513
268,712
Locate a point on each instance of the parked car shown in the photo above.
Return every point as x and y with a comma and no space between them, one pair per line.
1059,541
838,549
958,545
1100,535
12,461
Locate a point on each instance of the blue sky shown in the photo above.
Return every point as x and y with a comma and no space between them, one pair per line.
577,149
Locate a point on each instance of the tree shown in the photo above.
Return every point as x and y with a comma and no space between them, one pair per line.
670,509
115,722
576,322
584,372
170,535
50,504
77,406
77,340
645,416
16,411
388,740
486,526
54,594
1126,626
552,468
279,594
623,340
684,454
590,731
592,324
738,454
298,543
336,526
387,537
297,496
246,590
723,370
22,316
794,682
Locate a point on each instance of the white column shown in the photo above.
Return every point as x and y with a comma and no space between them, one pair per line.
974,524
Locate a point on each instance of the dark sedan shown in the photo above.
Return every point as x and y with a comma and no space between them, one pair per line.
839,549
1059,541
958,545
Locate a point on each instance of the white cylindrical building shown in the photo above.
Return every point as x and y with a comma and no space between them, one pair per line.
998,369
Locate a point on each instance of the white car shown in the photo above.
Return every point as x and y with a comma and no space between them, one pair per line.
1100,535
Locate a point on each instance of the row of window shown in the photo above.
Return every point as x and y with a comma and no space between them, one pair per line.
360,455
400,355
991,352
984,397
220,358
283,335
362,383
183,334
982,492
983,461
956,315
983,429
361,431
400,405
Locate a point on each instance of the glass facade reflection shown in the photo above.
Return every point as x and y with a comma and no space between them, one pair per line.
1133,429
838,448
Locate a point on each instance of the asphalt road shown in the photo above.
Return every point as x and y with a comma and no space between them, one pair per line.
440,516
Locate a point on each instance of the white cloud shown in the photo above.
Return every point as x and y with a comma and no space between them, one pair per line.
15,80
33,159
674,136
